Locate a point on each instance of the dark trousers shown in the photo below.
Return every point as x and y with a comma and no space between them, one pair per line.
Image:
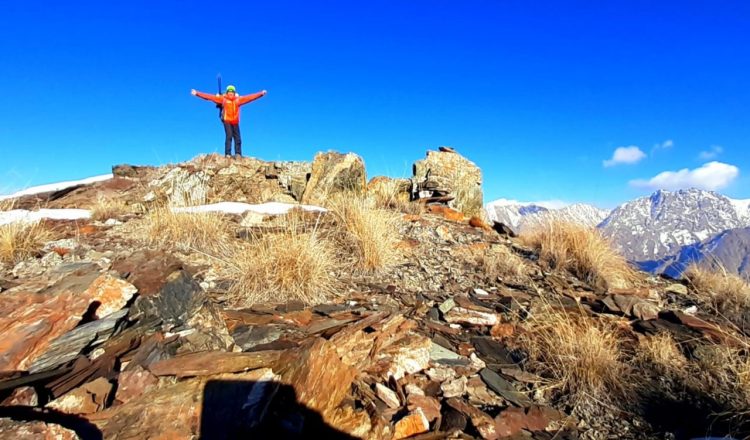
232,131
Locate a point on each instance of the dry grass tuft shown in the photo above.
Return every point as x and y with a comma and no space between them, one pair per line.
728,294
20,240
393,194
369,234
724,373
582,357
297,264
7,204
501,262
581,251
662,353
107,208
204,231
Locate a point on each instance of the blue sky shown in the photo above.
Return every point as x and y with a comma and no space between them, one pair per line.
538,94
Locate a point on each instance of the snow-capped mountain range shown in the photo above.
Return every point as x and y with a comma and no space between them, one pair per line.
646,230
650,228
728,250
520,216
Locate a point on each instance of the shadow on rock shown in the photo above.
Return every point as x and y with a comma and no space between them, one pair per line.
84,429
259,409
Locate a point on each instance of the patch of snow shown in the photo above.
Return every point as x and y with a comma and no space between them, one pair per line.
742,207
22,215
56,186
270,208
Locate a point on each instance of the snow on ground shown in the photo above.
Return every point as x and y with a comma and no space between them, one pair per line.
22,215
56,186
270,208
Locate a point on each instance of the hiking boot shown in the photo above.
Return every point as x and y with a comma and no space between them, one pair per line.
238,156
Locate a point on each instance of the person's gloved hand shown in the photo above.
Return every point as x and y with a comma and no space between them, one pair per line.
264,92
193,92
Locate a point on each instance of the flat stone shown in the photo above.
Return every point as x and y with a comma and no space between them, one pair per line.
317,374
446,306
180,298
86,399
414,423
249,337
460,315
68,346
29,322
134,383
492,351
430,406
22,396
455,387
442,355
440,374
147,270
536,418
406,355
217,362
504,388
112,293
479,394
387,395
34,430
484,424
679,289
645,310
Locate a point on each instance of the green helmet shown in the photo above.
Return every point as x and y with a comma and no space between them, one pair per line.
231,89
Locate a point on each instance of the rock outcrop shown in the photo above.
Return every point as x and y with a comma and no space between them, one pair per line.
456,174
334,173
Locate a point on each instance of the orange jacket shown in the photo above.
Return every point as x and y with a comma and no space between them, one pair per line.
231,106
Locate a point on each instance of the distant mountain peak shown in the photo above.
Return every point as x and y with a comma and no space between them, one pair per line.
652,227
522,216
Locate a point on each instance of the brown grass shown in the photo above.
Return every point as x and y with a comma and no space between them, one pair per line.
367,233
107,208
297,264
501,262
581,356
581,251
7,204
660,352
727,294
724,373
20,240
203,231
392,194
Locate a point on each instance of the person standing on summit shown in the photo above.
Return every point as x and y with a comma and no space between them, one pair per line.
230,115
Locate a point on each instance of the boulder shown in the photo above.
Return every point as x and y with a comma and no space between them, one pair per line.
453,172
334,173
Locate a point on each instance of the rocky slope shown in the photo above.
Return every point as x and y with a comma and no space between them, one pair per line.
108,336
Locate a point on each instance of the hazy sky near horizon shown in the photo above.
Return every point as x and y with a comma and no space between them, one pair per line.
573,101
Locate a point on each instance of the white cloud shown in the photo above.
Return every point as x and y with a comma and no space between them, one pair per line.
628,155
669,143
711,176
712,153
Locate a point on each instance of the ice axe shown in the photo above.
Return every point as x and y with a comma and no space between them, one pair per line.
219,106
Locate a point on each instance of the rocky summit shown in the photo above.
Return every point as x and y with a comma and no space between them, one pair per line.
237,298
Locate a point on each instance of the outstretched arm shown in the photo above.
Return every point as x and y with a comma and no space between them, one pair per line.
213,98
253,97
